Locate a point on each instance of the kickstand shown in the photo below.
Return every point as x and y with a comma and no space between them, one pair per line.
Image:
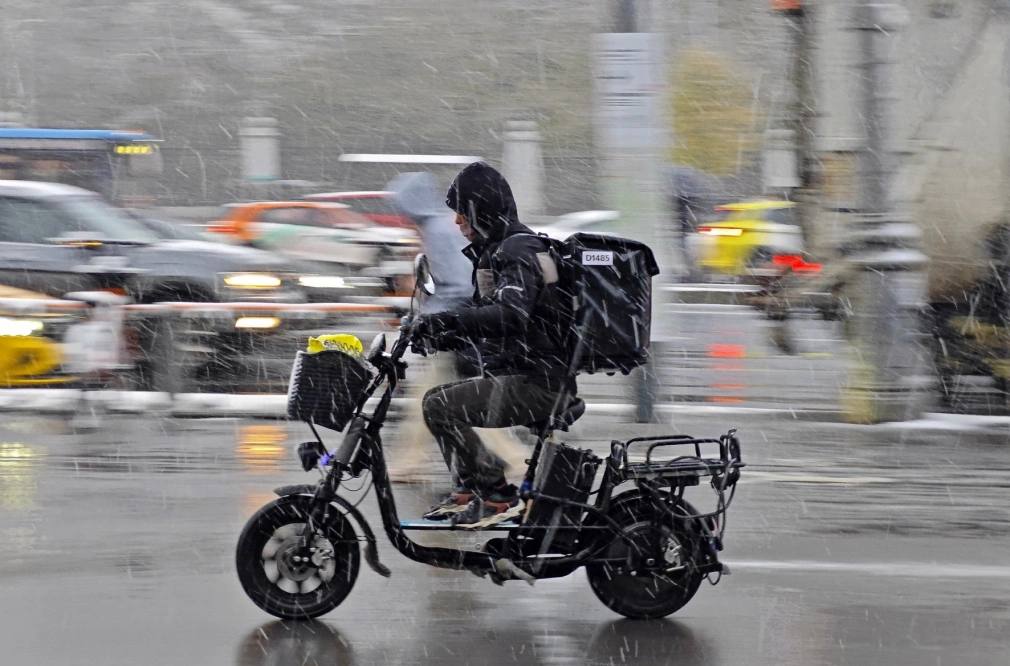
507,570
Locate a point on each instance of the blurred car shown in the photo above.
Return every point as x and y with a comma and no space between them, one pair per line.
315,278
376,205
585,221
31,351
56,239
345,244
747,235
261,358
171,230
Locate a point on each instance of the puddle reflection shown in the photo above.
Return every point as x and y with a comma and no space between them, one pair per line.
18,484
650,642
281,643
261,447
615,642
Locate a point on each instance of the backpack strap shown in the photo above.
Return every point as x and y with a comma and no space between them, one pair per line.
555,274
548,260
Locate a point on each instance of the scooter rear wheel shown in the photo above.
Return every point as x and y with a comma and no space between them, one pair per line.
288,575
653,578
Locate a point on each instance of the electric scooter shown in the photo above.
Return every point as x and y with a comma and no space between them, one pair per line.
645,548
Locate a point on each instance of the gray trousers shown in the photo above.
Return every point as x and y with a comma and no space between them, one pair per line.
452,411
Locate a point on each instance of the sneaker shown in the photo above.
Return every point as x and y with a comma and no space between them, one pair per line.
453,503
498,507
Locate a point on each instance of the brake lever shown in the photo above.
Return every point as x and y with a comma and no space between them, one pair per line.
408,324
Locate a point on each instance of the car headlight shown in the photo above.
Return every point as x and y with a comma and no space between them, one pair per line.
251,280
324,282
720,231
252,322
20,327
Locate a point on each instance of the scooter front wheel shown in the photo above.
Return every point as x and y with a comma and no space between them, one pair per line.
292,575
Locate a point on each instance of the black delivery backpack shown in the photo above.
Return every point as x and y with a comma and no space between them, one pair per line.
608,282
604,288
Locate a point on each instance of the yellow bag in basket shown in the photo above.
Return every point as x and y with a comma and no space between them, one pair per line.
344,342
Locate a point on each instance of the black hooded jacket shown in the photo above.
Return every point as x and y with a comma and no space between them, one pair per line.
514,308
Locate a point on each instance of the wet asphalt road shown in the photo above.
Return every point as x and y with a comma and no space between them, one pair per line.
849,545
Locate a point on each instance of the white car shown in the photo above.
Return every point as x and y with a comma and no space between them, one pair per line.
583,221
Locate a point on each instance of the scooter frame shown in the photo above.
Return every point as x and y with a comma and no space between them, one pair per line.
660,482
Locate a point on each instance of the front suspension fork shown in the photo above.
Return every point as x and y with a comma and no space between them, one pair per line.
320,512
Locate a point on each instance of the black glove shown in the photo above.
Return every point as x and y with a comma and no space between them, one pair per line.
434,331
417,330
434,325
420,347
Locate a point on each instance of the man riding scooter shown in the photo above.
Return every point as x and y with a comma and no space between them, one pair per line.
514,310
417,196
645,549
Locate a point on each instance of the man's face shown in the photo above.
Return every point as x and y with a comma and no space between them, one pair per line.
465,228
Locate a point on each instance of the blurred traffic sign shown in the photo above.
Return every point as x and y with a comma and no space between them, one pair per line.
627,70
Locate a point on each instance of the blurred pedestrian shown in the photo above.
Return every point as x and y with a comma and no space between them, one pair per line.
417,196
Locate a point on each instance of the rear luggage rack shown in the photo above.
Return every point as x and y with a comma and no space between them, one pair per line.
717,459
682,470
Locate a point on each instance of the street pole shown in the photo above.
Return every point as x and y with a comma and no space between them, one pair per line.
874,38
792,174
631,143
625,15
887,381
802,118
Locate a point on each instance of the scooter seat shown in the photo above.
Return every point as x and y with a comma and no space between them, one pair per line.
566,417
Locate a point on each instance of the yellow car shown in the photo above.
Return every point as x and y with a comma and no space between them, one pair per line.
30,344
748,234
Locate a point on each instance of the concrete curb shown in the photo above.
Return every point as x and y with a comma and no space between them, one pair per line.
274,406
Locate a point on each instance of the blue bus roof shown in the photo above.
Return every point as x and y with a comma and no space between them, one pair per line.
72,134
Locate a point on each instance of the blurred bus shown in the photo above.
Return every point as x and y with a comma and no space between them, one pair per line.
120,165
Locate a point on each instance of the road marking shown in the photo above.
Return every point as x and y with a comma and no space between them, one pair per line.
738,311
752,476
797,477
904,569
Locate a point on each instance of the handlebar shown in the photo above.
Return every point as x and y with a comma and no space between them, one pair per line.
407,325
390,365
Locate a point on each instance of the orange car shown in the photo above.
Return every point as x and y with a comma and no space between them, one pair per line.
375,205
243,220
